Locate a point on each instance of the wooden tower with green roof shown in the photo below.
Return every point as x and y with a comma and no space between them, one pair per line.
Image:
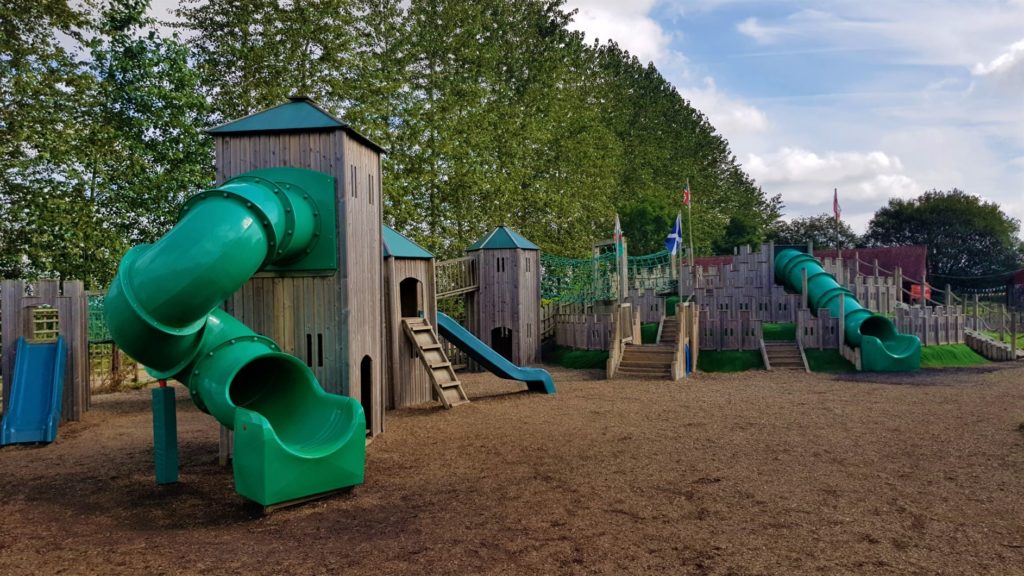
505,312
332,320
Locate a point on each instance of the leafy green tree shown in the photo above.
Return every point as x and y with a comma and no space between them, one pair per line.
102,138
820,229
740,231
965,235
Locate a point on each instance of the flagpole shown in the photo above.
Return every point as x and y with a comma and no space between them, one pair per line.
689,225
835,202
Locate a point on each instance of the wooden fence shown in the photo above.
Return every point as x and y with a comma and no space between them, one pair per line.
456,276
817,332
934,325
17,297
729,331
584,331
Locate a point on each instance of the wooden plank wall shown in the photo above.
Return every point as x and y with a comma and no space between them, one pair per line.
326,304
407,381
648,304
363,290
725,330
72,308
934,325
584,331
818,332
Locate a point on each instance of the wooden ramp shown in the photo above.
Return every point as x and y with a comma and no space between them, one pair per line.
428,349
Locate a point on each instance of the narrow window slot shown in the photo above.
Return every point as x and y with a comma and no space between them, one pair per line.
320,350
309,350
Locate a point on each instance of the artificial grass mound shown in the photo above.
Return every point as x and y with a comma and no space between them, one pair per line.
649,332
950,356
579,359
670,305
779,331
828,361
729,360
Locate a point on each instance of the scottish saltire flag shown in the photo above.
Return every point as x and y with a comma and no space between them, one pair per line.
675,238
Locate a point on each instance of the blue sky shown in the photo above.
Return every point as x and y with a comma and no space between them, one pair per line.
876,98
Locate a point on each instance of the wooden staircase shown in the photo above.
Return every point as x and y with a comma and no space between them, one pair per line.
651,362
428,349
784,356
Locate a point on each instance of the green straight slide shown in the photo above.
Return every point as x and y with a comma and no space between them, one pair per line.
882,349
292,439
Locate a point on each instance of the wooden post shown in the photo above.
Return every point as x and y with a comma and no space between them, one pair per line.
977,319
840,322
949,295
876,267
899,284
1014,318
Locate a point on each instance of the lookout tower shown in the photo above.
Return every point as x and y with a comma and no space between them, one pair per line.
330,318
505,312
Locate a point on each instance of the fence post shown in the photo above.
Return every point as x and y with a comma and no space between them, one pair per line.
977,320
1013,335
949,295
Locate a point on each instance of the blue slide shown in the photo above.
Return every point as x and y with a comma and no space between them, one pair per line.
537,379
36,388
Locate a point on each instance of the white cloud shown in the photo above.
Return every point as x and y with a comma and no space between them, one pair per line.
729,115
761,34
807,179
627,23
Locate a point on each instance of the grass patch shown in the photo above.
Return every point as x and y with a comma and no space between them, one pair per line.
579,359
828,361
649,332
729,361
1006,337
670,305
950,356
779,331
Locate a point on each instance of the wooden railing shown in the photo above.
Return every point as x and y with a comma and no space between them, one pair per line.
688,337
623,331
456,276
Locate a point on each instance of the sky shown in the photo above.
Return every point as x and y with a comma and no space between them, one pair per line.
877,98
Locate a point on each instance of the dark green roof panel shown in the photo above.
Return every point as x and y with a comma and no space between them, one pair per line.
394,244
299,113
502,238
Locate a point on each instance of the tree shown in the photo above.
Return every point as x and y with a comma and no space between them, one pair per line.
740,231
820,229
966,236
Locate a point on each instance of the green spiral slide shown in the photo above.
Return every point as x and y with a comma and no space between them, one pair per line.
882,348
292,439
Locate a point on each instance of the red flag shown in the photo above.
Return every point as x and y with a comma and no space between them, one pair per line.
686,194
835,204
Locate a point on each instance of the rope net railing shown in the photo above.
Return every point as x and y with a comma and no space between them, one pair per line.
595,279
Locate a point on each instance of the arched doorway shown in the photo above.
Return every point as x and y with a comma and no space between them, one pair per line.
501,341
410,296
366,389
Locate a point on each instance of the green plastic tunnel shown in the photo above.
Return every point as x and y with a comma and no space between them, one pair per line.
883,349
292,439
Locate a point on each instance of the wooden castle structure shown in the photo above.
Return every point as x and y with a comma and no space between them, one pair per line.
332,320
505,310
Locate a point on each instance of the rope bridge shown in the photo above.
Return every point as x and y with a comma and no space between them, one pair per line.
585,280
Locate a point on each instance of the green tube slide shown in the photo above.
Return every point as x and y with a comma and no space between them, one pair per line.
292,439
883,349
